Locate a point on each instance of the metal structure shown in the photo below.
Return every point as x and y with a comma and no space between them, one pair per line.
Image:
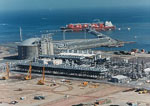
20,34
7,73
42,81
28,77
66,70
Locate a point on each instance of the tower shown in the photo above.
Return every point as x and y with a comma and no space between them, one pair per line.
47,45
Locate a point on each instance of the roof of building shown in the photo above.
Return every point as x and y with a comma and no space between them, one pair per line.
77,54
29,42
120,77
62,57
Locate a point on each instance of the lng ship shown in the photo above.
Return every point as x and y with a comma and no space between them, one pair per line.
99,26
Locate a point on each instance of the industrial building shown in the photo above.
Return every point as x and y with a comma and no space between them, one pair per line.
120,79
33,47
71,63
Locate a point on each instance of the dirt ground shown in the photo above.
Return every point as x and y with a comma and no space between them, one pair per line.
132,96
6,51
64,93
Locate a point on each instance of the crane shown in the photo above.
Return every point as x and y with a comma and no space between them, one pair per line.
28,77
7,73
42,81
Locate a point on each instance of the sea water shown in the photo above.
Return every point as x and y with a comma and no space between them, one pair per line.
34,23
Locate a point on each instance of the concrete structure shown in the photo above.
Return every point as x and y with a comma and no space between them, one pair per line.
33,47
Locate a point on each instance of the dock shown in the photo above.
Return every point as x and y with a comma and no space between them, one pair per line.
101,40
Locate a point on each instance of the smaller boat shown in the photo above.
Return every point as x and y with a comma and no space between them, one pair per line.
129,29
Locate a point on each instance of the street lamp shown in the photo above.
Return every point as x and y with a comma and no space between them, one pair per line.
64,36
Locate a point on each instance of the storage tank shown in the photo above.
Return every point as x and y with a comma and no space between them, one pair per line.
101,26
28,49
33,47
80,26
96,25
85,25
93,25
70,26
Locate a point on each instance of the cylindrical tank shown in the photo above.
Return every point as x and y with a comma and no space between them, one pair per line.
70,26
76,26
96,26
27,52
101,26
85,25
93,25
80,26
142,50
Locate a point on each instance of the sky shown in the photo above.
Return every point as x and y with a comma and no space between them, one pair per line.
9,5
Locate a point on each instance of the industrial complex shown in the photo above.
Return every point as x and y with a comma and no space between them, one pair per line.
69,66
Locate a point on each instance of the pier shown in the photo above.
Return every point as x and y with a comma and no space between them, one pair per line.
101,41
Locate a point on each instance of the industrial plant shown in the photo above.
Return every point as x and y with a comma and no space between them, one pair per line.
74,52
75,60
